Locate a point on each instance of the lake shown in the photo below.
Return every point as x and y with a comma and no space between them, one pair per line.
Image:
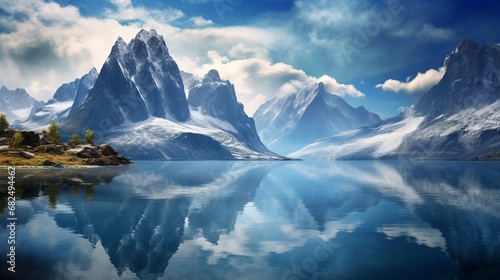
256,220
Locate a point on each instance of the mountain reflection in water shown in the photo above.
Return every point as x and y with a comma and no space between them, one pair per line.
270,220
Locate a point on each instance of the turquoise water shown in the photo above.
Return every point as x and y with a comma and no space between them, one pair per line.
257,220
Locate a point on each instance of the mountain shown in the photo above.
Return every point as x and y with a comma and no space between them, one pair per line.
84,85
67,97
190,81
289,122
217,98
138,80
16,104
458,118
138,105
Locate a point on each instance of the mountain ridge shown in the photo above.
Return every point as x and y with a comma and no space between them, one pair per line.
138,104
458,118
16,104
289,122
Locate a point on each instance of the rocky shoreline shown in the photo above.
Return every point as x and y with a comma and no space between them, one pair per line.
40,152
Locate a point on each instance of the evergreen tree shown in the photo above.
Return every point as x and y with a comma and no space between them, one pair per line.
89,137
53,134
17,139
4,124
75,139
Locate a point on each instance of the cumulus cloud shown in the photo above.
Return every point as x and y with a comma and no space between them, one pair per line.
56,44
257,79
201,22
422,83
346,34
49,44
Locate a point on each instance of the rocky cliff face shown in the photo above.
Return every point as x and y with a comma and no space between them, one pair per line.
138,80
217,98
138,105
67,97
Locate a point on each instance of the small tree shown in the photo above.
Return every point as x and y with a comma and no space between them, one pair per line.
4,124
53,134
75,139
17,139
89,137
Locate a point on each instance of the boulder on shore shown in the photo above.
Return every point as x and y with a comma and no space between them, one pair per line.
84,151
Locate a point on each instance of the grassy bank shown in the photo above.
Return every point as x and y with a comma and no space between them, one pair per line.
16,160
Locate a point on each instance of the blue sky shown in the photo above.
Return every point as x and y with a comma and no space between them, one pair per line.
379,54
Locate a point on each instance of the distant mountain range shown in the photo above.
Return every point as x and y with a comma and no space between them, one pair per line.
141,103
68,97
138,104
16,104
290,122
459,118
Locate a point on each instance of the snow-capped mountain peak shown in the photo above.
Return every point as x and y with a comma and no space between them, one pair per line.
66,98
139,80
457,118
16,104
290,121
139,105
217,98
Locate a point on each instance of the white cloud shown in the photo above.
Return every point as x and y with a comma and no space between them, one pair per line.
332,86
257,79
423,234
52,45
424,31
201,22
56,44
422,83
127,12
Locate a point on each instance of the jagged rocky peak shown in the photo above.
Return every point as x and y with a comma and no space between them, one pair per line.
217,98
120,47
467,45
86,84
93,72
214,96
69,91
465,51
149,44
471,81
15,99
5,90
320,86
290,121
138,80
212,76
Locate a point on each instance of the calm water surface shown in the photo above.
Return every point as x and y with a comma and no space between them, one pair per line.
257,220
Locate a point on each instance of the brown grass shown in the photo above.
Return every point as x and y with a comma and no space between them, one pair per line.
15,160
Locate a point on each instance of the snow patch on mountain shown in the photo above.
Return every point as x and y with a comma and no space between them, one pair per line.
293,120
61,104
202,137
459,118
386,139
16,104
